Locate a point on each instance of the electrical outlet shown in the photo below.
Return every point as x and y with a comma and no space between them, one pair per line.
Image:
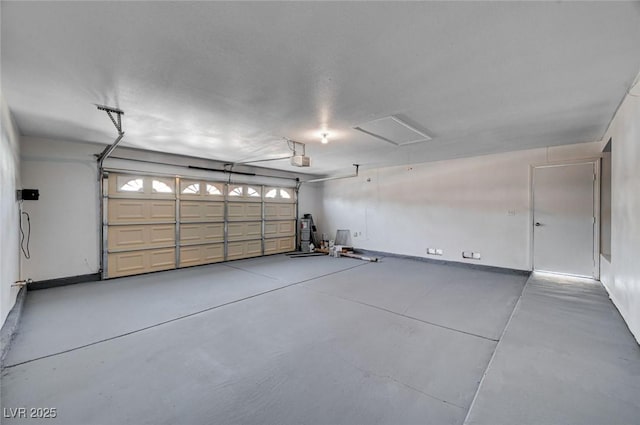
439,251
511,212
471,255
431,251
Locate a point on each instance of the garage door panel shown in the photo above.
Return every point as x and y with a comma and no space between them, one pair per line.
279,228
244,230
190,256
190,210
279,211
287,228
122,237
201,211
201,254
136,186
246,249
126,185
136,262
279,194
126,263
244,211
201,233
162,210
140,236
201,189
270,229
271,246
162,235
278,245
120,210
140,210
253,230
213,253
235,211
244,192
213,210
162,259
286,244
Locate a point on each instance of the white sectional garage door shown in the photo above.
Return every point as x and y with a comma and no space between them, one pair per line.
160,223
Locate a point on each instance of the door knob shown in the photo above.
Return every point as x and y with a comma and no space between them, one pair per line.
538,224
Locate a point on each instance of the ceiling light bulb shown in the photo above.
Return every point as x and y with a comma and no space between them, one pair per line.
325,140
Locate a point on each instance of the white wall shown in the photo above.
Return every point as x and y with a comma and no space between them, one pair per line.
9,211
623,279
605,205
479,204
65,221
310,202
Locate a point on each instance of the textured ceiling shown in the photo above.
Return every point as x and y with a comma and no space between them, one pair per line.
228,80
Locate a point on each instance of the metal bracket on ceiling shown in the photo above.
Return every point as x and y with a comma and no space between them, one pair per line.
117,122
109,110
293,145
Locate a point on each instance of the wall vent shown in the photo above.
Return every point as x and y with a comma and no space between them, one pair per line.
393,130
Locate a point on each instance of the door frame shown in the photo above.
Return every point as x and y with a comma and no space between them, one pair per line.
596,208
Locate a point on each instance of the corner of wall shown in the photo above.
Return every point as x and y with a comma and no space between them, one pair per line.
623,280
9,213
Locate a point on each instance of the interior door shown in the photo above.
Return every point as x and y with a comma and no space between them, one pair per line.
564,219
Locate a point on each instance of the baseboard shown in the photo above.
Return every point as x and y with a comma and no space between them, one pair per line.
623,313
446,262
63,281
10,325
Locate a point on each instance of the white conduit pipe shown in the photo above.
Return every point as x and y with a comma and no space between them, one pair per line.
334,178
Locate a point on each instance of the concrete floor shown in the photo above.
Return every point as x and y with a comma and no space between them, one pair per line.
566,357
324,341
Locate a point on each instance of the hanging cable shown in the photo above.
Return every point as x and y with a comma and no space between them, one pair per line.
25,251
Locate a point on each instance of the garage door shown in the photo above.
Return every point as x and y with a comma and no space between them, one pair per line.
156,223
201,229
279,224
141,218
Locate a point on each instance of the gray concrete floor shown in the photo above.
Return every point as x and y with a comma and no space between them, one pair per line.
324,341
566,357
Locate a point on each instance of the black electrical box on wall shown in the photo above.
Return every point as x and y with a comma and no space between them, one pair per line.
28,194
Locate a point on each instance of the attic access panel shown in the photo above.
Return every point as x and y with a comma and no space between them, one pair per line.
393,130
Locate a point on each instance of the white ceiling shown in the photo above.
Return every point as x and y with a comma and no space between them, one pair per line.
228,80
